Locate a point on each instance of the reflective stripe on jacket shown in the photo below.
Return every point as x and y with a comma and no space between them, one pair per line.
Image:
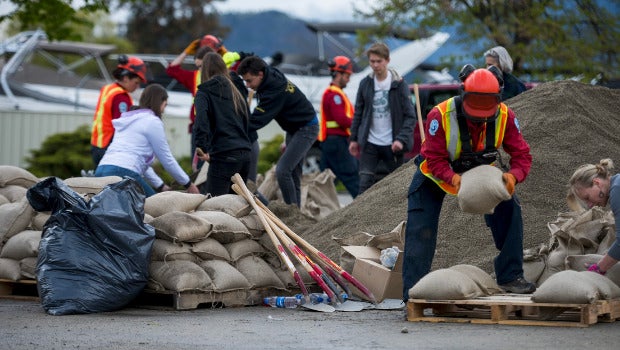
450,126
332,124
103,130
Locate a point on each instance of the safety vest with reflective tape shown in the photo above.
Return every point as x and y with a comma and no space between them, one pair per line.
450,125
332,124
103,130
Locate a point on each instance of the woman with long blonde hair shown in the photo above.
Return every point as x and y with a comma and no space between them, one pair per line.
221,127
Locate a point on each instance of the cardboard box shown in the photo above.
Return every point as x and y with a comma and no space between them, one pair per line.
383,282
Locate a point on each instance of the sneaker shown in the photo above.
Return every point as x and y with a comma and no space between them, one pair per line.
519,286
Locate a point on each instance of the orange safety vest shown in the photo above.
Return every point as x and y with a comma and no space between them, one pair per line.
103,130
332,124
453,138
197,79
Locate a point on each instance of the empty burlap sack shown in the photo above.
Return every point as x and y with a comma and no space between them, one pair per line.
90,184
13,193
225,277
318,194
23,245
482,189
254,225
243,248
14,218
210,248
28,267
269,187
180,275
164,250
225,227
485,282
567,287
178,226
581,263
168,201
396,237
231,204
445,284
258,273
202,174
9,269
39,219
12,175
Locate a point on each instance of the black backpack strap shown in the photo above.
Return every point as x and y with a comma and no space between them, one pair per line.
463,130
490,139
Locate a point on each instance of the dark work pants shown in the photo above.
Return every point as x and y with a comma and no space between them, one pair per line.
424,206
222,167
289,167
335,156
370,157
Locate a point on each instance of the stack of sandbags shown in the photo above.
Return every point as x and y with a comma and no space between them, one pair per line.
18,241
211,245
458,282
575,237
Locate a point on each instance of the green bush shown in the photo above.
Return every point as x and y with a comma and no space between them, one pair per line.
269,153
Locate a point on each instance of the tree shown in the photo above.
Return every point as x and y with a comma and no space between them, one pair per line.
164,26
545,38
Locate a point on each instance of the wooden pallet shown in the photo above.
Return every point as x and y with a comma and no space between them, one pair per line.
512,309
192,300
19,290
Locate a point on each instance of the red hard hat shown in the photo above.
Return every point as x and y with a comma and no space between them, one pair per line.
211,41
133,65
341,64
481,94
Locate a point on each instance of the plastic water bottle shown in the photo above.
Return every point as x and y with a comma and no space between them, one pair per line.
282,302
388,257
318,298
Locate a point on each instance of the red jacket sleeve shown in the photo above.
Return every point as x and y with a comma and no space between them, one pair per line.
183,76
334,108
434,148
518,149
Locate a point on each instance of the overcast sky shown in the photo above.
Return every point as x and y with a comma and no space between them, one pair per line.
317,10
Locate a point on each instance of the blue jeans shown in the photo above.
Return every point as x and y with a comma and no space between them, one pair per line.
369,160
221,169
335,156
424,206
113,170
289,167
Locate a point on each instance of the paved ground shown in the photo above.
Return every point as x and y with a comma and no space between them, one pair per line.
24,325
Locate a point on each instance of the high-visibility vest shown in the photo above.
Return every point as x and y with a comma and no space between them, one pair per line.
103,130
332,124
453,138
197,79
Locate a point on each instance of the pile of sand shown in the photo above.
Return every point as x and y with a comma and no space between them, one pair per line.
566,124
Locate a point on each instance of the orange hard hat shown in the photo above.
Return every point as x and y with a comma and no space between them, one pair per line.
133,65
341,64
481,94
211,41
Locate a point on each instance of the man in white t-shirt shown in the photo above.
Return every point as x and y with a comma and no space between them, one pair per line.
382,128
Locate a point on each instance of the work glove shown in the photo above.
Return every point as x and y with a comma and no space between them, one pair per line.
230,58
595,268
192,47
510,181
456,182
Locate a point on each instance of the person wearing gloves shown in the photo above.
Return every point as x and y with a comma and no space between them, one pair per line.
281,100
594,185
461,133
232,59
382,127
499,57
139,138
221,128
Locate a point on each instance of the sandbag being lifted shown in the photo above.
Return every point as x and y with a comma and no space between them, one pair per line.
93,257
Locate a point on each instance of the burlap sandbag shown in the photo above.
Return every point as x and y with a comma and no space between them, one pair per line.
485,282
4,200
243,248
39,219
28,267
168,201
178,226
164,250
225,277
12,175
445,284
231,204
23,245
606,288
225,227
14,218
258,273
9,269
210,248
90,184
180,275
533,269
566,287
13,193
482,189
581,263
253,224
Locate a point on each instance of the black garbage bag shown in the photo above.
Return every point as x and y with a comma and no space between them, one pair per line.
94,256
